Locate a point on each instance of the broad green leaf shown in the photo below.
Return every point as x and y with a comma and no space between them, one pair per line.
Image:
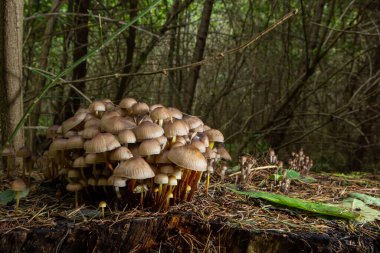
366,214
314,207
292,174
369,200
7,196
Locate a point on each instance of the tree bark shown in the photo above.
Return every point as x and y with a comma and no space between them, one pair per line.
131,44
11,107
198,55
80,49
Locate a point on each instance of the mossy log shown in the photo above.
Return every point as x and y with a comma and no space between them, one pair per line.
175,232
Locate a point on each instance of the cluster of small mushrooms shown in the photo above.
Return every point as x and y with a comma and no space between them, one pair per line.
146,155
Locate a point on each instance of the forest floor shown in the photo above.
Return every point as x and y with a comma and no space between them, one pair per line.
223,221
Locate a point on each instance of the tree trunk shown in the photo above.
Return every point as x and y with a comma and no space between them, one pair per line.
80,49
198,54
131,43
11,108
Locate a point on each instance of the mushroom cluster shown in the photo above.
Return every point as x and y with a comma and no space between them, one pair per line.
150,155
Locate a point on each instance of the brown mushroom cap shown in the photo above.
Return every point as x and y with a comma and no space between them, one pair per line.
116,124
167,169
126,136
210,153
52,132
140,108
120,154
172,180
80,162
90,132
160,113
175,113
116,181
73,122
176,128
224,153
102,142
148,130
134,168
97,106
199,145
110,114
127,103
75,142
94,122
74,187
162,158
58,144
214,135
193,121
149,147
18,185
188,157
73,174
94,158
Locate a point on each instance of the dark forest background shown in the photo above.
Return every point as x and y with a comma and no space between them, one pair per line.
312,82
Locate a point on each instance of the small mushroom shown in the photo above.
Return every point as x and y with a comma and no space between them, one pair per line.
102,205
18,186
74,187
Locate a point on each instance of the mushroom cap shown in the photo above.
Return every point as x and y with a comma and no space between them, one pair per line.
70,133
110,114
92,181
161,179
149,147
172,180
193,121
24,152
210,153
160,113
75,142
140,108
120,154
80,162
90,132
177,173
176,128
175,113
117,181
74,187
134,168
97,106
214,135
73,173
167,169
94,122
58,144
199,145
18,185
102,181
116,124
94,158
102,142
162,158
127,103
188,157
126,136
148,130
102,204
224,153
72,122
8,151
152,107
52,132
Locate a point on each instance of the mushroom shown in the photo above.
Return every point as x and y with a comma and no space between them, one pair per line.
175,128
160,179
214,135
117,182
102,205
159,114
74,187
18,186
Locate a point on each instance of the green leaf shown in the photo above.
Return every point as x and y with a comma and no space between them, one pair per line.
366,214
292,174
369,200
7,196
24,194
314,207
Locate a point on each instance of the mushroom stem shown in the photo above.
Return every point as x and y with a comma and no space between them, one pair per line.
118,195
23,168
76,199
174,139
211,144
17,200
103,212
207,182
195,184
142,196
160,122
83,174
